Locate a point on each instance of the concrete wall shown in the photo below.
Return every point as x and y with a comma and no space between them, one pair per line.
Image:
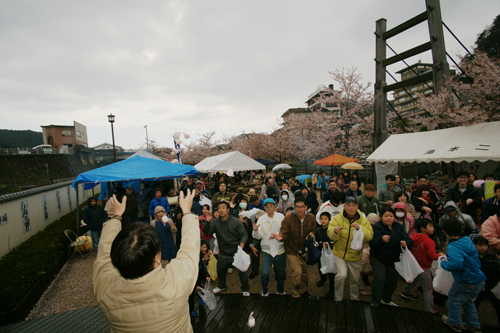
26,215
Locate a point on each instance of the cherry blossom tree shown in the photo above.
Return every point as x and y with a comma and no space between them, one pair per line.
478,89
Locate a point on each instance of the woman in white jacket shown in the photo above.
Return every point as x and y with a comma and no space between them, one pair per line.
273,251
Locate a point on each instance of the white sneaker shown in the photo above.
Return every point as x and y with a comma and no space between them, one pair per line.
218,290
229,270
283,293
246,293
391,303
264,295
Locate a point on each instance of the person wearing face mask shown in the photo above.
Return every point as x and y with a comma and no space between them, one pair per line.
165,227
284,202
403,218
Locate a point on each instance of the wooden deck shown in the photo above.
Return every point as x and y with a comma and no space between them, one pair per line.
272,314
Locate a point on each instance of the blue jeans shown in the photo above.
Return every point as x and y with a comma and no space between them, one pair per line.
279,263
95,235
463,295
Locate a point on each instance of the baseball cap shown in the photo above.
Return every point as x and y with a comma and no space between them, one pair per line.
269,200
349,199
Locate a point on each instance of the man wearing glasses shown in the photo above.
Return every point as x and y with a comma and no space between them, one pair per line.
294,230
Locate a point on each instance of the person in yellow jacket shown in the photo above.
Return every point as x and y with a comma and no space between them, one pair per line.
348,261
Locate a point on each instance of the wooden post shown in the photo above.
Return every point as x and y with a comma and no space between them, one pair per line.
380,107
441,67
77,213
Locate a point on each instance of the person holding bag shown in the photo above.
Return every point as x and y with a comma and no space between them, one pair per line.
424,251
323,241
273,251
385,248
347,260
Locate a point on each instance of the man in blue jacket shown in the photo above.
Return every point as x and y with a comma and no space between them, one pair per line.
158,200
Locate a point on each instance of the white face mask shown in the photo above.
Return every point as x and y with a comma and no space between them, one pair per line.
400,214
243,205
284,197
164,218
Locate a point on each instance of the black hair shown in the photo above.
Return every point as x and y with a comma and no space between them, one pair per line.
338,197
489,175
420,189
254,198
215,209
462,173
206,206
472,173
326,214
134,250
386,209
480,240
452,227
497,211
289,209
391,177
301,199
422,177
497,187
355,174
399,194
353,180
422,223
205,242
223,203
223,182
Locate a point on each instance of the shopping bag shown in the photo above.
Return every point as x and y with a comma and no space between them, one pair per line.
216,247
496,290
241,260
357,239
275,245
208,296
212,267
407,266
443,280
327,261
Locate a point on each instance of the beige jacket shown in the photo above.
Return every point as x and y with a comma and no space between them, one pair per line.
156,302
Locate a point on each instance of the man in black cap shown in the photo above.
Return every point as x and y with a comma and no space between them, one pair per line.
131,211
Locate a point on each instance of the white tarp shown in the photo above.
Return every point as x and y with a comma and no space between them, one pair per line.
467,143
224,162
144,153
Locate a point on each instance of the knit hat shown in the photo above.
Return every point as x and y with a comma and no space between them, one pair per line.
159,209
373,218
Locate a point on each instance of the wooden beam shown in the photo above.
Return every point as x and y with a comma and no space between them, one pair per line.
380,103
406,54
406,25
410,82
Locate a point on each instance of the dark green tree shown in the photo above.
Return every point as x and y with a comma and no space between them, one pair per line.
489,40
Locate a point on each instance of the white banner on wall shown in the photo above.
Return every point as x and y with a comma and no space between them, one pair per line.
25,214
69,199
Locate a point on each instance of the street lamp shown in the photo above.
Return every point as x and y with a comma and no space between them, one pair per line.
111,119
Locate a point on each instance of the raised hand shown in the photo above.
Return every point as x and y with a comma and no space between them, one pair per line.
255,227
186,202
117,207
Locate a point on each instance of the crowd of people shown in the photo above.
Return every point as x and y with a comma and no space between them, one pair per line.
278,223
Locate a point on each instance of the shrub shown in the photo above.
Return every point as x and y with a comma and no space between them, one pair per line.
21,268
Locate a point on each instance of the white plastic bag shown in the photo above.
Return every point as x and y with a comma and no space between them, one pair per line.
207,295
357,239
216,247
443,280
496,290
241,260
275,246
327,261
407,266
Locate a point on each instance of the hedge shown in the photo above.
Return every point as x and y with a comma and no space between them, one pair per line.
25,264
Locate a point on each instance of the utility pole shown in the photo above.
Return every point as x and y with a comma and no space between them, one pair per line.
147,141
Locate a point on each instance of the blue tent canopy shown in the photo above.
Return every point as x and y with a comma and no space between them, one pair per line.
265,162
134,168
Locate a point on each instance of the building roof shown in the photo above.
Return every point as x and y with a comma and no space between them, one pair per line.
104,144
57,125
295,110
413,66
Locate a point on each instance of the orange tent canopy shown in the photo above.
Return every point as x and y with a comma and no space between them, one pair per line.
336,159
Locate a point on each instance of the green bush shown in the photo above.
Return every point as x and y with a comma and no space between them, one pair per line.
21,268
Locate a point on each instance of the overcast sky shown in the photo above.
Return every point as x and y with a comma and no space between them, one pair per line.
194,66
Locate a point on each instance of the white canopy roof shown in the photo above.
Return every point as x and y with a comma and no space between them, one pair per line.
233,160
144,153
467,143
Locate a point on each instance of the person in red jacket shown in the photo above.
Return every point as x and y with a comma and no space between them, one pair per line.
424,250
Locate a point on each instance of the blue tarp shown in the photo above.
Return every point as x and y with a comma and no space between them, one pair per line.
265,162
134,168
302,178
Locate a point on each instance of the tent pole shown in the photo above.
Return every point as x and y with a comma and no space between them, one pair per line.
77,212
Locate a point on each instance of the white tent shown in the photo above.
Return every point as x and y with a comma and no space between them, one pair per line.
146,154
467,143
224,162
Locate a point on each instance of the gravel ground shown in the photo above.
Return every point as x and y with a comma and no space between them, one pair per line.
72,289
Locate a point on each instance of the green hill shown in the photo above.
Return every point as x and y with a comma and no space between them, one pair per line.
14,139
